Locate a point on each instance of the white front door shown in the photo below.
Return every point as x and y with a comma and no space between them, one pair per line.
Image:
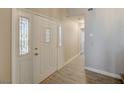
21,47
45,49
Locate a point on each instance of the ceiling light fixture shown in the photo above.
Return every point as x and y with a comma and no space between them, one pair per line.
90,9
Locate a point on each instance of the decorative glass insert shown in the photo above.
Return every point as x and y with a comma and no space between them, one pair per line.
47,35
23,35
60,36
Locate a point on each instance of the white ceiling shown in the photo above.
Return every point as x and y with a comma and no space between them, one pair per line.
77,14
77,11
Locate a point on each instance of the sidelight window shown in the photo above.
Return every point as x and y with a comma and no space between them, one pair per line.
23,35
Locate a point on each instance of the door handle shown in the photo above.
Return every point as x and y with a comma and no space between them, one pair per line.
36,54
36,48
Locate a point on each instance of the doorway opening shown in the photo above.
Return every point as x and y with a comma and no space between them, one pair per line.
82,35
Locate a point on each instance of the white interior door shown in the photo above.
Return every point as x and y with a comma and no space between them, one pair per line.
21,47
44,48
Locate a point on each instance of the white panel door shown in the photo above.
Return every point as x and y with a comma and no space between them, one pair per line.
44,48
21,47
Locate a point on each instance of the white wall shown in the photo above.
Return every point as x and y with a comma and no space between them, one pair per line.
105,49
71,38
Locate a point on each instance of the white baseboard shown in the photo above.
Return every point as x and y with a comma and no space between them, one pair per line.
104,72
70,60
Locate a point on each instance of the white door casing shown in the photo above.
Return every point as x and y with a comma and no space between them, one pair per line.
82,33
60,46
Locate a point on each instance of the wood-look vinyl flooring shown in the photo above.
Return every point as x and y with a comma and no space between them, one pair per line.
96,78
74,73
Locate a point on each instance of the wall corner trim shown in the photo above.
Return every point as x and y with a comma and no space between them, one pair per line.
104,72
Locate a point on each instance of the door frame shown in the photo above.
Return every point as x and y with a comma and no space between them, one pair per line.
13,57
13,42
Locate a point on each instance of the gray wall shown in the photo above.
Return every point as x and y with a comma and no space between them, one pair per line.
105,49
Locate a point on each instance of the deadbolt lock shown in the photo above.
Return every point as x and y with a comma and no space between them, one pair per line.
36,54
36,48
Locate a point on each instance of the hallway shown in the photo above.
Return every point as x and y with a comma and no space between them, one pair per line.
74,73
71,73
36,43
